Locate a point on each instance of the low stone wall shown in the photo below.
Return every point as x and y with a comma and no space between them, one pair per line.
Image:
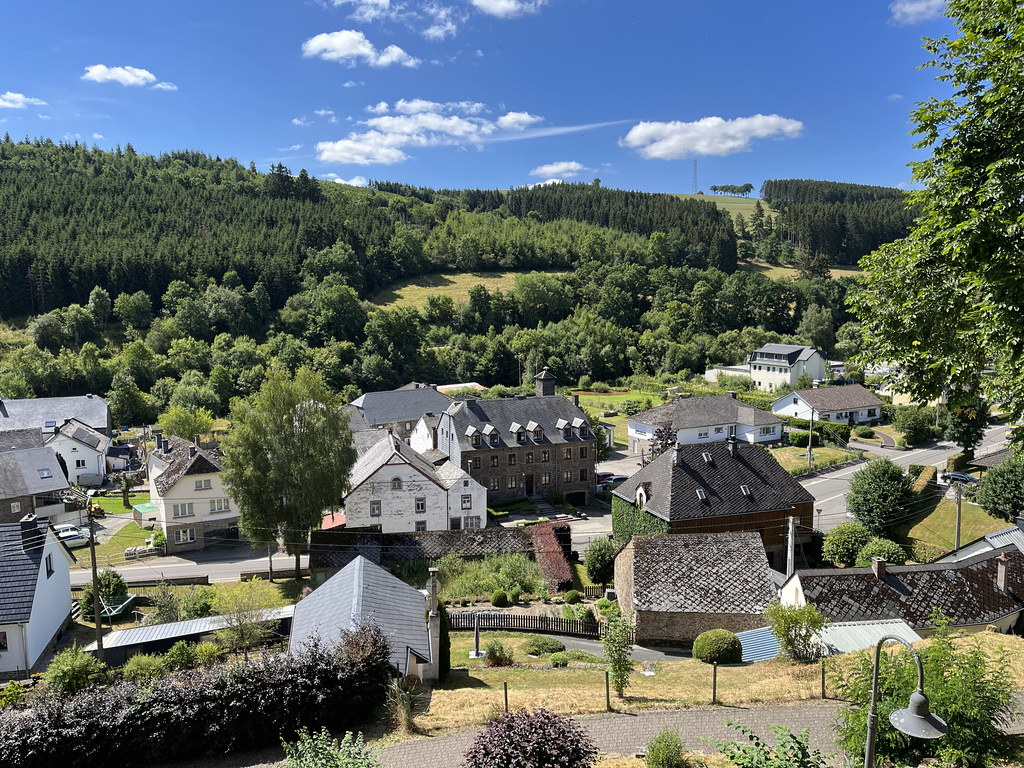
681,629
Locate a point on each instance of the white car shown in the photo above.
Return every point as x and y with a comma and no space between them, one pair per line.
71,535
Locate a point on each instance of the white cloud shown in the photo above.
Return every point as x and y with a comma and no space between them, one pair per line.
292,148
348,46
165,87
100,73
894,97
349,84
563,169
355,181
97,135
379,108
479,54
444,21
905,12
301,121
545,183
44,117
507,9
517,121
413,106
324,112
370,148
707,136
11,100
368,10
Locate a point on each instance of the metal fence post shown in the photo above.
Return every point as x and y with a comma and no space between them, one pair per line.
823,678
607,692
506,696
714,683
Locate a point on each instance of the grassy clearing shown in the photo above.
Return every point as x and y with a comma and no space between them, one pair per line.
790,458
113,505
112,552
414,292
791,273
14,334
612,401
730,203
937,524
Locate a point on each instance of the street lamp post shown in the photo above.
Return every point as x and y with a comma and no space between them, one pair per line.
915,720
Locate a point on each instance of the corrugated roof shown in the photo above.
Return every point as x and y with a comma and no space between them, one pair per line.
362,592
175,629
851,636
759,644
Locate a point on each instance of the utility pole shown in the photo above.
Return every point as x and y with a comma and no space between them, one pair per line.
791,547
97,617
959,494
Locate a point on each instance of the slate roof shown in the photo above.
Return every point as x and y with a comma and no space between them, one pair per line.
672,480
693,412
390,451
13,439
845,398
399,405
336,548
30,472
37,411
178,463
965,591
84,434
359,593
364,440
990,460
500,414
701,573
19,572
792,352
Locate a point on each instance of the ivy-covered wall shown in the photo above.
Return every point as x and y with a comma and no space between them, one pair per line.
628,520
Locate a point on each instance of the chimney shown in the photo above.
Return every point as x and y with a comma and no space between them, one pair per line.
192,451
730,443
545,383
1001,572
731,393
31,538
195,440
576,400
878,567
679,455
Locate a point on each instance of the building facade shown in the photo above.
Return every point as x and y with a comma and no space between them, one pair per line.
849,404
775,366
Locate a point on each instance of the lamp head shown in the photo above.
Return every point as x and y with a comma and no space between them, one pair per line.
917,720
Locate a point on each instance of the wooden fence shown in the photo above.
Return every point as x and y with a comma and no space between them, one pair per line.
511,622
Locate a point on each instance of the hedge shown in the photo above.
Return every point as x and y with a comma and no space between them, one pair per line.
956,463
925,480
202,712
550,557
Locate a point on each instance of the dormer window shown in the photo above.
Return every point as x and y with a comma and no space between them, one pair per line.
521,436
494,438
584,430
476,439
701,495
567,433
745,490
396,483
537,434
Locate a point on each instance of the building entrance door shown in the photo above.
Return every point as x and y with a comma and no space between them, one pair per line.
529,485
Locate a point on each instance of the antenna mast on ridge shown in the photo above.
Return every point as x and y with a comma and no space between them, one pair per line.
694,190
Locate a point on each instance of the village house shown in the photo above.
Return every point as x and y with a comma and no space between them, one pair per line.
396,489
35,593
704,420
188,500
32,481
778,366
716,488
397,410
518,446
673,587
84,451
48,413
850,404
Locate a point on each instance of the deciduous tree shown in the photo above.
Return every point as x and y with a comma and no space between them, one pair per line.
879,495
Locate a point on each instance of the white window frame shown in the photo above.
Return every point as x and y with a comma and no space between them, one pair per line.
767,431
702,435
184,509
471,523
15,507
220,505
467,501
421,505
79,463
396,483
375,508
421,525
184,535
203,485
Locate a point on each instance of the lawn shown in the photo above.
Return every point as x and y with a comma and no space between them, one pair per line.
612,401
730,203
790,458
113,505
414,292
112,552
791,273
936,525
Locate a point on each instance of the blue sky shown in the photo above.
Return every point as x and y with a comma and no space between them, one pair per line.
485,93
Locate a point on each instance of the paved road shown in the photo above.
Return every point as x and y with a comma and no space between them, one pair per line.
830,489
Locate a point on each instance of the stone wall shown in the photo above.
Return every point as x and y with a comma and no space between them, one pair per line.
624,580
680,629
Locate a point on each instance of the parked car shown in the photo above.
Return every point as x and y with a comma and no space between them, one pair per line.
602,477
961,477
71,535
616,479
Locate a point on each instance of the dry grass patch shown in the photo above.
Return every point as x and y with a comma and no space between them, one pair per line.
617,761
790,458
414,292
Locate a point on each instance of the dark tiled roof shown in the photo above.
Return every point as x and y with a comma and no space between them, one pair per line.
179,464
84,434
692,412
336,548
845,398
35,412
19,572
547,412
701,573
15,439
399,405
383,453
964,591
987,461
675,476
791,352
29,472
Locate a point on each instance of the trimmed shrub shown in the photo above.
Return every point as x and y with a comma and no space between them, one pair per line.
925,480
143,667
559,660
514,595
866,432
538,645
599,557
181,655
799,439
584,657
497,655
717,646
537,738
198,713
666,750
572,597
73,670
555,498
499,599
890,550
844,542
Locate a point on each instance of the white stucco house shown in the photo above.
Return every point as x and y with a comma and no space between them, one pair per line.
849,404
775,366
84,451
35,593
704,420
397,489
188,500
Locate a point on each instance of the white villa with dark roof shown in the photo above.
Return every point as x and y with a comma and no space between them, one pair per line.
31,481
849,404
704,420
396,489
84,451
775,366
187,498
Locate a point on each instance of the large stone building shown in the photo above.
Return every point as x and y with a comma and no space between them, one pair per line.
517,446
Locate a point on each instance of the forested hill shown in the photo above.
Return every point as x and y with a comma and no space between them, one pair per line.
840,222
73,217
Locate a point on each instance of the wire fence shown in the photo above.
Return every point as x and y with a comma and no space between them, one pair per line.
510,622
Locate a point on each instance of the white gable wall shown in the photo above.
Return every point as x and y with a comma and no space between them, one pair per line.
220,514
397,505
794,405
75,453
